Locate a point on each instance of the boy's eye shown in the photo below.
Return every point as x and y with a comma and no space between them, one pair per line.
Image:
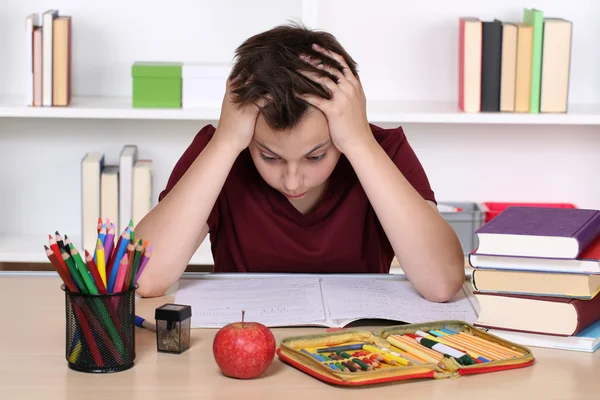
317,158
268,158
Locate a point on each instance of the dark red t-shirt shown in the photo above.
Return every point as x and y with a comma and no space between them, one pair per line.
254,228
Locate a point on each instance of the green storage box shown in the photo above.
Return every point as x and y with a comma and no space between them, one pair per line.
156,84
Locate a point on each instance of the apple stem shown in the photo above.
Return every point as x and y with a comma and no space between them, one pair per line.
243,312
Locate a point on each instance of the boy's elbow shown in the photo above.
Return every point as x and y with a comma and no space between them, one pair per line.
147,289
447,287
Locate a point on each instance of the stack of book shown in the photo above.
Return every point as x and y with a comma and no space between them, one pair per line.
48,59
120,192
537,277
514,66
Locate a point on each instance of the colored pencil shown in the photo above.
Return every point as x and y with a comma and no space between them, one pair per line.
83,270
63,273
121,272
136,264
101,262
145,258
74,272
119,252
95,274
109,243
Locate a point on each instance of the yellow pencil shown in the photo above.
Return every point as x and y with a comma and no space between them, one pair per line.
100,262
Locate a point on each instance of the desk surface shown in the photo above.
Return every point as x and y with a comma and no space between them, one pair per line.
33,365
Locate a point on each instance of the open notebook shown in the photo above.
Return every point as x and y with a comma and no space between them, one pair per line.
329,301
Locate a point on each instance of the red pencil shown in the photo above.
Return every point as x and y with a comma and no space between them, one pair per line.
56,249
64,275
95,274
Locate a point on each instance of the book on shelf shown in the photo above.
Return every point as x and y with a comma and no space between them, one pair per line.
539,275
514,66
127,160
48,63
120,192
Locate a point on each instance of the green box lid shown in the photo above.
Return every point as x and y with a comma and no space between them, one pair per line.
162,69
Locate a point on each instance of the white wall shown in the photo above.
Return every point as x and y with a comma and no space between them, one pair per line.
406,51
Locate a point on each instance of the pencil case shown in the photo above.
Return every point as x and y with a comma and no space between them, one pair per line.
395,353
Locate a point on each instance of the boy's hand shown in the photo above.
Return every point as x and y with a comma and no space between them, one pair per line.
236,124
346,111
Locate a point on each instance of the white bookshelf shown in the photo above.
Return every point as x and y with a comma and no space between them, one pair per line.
389,112
407,58
23,248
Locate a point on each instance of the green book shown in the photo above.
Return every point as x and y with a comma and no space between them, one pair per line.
535,18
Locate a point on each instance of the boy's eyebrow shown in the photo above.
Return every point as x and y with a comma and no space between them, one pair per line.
317,147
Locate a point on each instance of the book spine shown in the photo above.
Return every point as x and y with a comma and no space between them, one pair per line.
535,18
491,62
588,232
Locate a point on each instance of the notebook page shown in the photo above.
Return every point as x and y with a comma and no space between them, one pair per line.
354,298
270,301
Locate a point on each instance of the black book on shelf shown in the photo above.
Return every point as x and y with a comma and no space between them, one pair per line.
491,63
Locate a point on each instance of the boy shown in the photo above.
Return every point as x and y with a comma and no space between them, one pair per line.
295,179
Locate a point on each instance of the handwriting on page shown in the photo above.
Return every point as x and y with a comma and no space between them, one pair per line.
395,300
270,301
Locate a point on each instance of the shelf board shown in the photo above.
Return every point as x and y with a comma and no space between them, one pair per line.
378,112
21,248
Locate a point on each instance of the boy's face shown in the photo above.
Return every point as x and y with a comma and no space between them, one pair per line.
299,162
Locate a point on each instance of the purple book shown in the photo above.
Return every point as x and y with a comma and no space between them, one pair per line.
539,232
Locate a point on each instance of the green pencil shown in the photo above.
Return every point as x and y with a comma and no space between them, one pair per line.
136,262
83,270
74,272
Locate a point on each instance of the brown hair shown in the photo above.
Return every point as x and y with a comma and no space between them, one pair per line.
266,67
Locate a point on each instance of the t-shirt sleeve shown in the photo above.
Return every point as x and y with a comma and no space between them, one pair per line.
183,164
396,145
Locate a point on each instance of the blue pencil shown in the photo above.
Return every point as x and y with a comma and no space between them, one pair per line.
115,266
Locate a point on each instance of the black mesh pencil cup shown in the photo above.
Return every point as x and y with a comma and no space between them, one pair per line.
100,331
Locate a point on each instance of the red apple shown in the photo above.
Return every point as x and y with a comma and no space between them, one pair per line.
244,350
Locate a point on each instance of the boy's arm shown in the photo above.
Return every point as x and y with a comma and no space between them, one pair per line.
178,224
424,243
170,227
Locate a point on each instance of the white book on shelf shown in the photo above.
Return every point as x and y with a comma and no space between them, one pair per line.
91,171
30,23
142,190
47,44
109,193
127,160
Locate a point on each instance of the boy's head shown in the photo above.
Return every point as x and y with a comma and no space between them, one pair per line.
266,65
298,163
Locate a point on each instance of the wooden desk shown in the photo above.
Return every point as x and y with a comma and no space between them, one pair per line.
33,365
